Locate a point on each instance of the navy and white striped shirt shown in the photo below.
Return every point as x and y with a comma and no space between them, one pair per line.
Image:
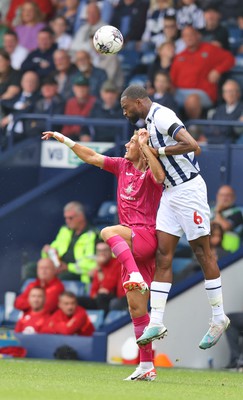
162,125
190,15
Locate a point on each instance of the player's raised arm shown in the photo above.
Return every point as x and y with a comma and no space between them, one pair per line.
84,153
185,144
154,164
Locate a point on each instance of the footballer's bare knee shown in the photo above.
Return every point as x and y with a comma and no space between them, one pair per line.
106,233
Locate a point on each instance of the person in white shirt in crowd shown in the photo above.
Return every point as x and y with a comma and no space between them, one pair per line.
155,22
23,102
96,75
93,22
16,52
106,8
112,66
63,73
62,38
69,10
189,13
171,33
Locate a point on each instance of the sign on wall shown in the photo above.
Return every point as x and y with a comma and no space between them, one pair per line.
57,155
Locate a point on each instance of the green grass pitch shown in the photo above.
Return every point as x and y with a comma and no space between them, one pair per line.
25,379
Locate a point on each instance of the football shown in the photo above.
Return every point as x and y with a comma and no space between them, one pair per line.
108,40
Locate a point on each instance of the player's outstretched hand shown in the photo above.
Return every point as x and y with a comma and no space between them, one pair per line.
56,135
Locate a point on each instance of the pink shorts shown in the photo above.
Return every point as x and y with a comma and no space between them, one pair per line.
144,246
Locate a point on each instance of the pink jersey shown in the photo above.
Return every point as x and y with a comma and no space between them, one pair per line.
138,194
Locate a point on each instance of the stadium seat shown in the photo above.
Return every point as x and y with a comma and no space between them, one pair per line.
106,215
113,315
236,73
138,79
234,37
9,299
76,287
129,59
26,283
1,313
96,317
11,318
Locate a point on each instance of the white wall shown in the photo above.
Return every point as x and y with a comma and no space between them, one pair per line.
186,318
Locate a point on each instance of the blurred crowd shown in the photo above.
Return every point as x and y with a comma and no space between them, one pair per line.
183,51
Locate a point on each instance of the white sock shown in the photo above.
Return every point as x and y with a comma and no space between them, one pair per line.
146,365
215,298
158,297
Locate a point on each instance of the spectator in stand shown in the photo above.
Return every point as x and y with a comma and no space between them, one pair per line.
129,17
106,284
107,107
69,319
199,68
155,23
5,4
9,77
69,12
163,91
36,317
171,33
229,216
111,65
9,87
62,38
50,103
97,76
41,59
193,110
79,105
236,33
230,110
163,61
16,52
216,241
47,280
161,56
214,32
189,13
228,8
63,73
80,16
106,9
22,102
216,245
74,245
3,28
46,8
82,38
29,26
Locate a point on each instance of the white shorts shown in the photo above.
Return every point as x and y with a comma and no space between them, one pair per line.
184,208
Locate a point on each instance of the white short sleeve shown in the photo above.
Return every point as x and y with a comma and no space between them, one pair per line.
164,118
